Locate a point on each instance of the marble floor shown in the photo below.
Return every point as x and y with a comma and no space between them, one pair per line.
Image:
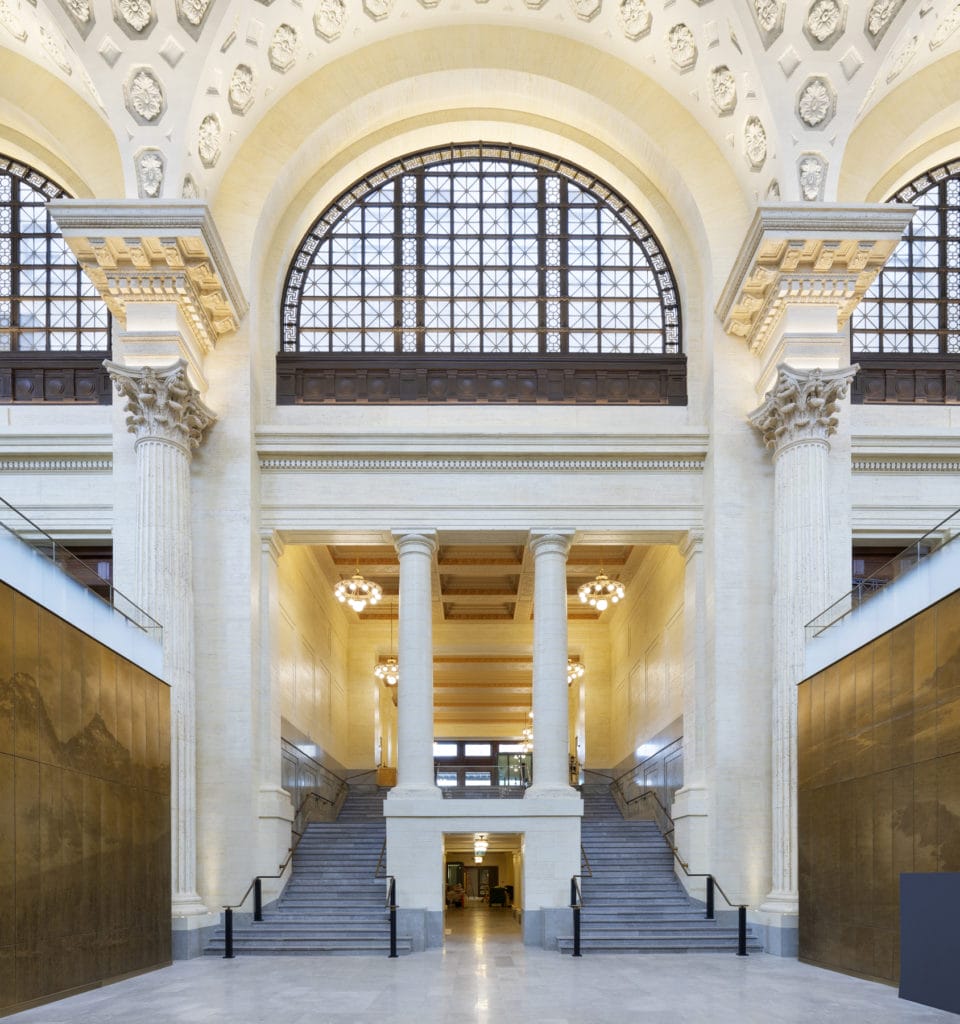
482,975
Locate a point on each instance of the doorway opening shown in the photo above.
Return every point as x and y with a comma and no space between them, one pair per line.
483,890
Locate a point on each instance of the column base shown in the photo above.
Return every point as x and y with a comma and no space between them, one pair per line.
188,904
192,934
781,903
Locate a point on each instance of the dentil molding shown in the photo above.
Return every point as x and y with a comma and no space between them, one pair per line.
807,254
156,252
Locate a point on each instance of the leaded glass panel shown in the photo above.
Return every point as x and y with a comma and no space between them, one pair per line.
47,304
480,250
913,306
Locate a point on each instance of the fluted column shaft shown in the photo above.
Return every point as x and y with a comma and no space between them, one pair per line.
550,726
168,418
415,654
796,421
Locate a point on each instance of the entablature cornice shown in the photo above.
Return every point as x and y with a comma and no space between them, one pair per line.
156,252
56,452
807,254
905,453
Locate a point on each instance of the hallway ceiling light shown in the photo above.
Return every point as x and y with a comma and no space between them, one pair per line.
387,670
357,592
575,671
601,592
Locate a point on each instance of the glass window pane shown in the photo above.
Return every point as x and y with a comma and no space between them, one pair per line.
443,749
446,778
477,778
476,750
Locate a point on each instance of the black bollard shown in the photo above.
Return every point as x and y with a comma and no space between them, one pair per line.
742,932
709,897
257,900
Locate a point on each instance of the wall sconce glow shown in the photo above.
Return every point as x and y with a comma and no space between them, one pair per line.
358,592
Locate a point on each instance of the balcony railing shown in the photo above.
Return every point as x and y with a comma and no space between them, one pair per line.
868,586
14,522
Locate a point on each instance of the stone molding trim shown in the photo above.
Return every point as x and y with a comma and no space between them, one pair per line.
807,253
801,406
905,464
447,464
162,405
55,464
315,379
167,252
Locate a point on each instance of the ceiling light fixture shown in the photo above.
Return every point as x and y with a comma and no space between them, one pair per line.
601,592
387,669
575,671
357,592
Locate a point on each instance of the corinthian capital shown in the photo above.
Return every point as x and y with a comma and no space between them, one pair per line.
802,405
162,404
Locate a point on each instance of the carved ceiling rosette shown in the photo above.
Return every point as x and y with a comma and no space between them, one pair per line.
824,23
801,406
635,18
191,14
816,102
150,167
723,89
755,142
880,18
143,96
329,18
209,140
683,47
586,10
135,17
812,172
162,404
283,48
241,92
768,15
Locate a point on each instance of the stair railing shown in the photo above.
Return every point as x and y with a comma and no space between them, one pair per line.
667,829
392,908
576,898
256,886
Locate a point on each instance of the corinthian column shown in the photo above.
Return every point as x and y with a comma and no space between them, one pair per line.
796,420
165,414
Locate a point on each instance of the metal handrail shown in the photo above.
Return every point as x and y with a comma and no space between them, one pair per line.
639,764
934,539
380,864
392,908
712,883
62,557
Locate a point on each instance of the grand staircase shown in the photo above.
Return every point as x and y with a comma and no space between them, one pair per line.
332,905
634,903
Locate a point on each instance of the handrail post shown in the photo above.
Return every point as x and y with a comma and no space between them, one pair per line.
228,933
393,919
257,899
575,904
709,897
742,931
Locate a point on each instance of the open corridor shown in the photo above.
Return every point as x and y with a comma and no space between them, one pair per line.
484,974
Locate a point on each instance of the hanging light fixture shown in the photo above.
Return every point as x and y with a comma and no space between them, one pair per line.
601,592
357,592
387,669
526,736
575,671
480,845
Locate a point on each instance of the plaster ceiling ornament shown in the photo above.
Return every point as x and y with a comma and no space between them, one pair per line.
946,26
723,88
378,9
241,89
328,19
209,140
817,102
150,167
812,171
11,20
683,47
193,11
144,96
880,17
825,21
189,188
755,142
79,9
135,13
802,405
54,50
635,19
283,48
586,10
90,87
773,191
903,58
769,15
162,404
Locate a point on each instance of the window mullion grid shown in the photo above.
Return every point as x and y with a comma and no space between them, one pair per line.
942,271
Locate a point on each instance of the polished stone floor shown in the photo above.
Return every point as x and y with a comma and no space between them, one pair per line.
483,975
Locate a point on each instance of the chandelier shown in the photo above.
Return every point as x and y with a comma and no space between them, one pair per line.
480,845
357,592
387,669
575,671
601,592
526,736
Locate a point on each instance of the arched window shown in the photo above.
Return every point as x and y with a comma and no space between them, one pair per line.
54,328
480,273
906,331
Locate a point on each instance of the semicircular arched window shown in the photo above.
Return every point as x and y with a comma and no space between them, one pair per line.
480,273
905,334
54,327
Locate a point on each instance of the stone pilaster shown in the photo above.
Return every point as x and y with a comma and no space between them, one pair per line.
796,421
551,775
165,414
415,654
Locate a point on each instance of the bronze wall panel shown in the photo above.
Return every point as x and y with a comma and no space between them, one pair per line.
84,809
879,788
